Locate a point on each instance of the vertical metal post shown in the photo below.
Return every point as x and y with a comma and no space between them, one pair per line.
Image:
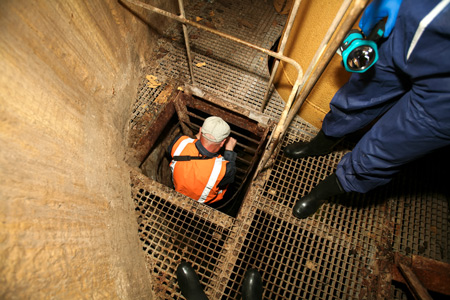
284,122
284,39
324,44
329,46
186,40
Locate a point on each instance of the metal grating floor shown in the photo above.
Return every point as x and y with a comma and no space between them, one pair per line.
342,252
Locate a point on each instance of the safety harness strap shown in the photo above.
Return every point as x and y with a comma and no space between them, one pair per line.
178,151
188,158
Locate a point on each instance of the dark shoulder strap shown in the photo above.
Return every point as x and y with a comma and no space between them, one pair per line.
188,158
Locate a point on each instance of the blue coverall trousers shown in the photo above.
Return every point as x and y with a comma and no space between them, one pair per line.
408,89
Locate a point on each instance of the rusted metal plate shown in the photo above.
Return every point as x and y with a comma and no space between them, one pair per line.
414,284
183,116
230,113
433,274
149,138
153,123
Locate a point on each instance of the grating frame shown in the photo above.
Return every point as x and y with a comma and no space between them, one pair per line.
344,251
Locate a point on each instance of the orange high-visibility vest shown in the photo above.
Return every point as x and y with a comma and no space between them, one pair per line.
197,179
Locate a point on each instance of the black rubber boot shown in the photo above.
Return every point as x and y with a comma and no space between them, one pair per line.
309,204
189,284
319,145
252,286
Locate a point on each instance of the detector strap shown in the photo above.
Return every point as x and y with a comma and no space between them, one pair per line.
189,158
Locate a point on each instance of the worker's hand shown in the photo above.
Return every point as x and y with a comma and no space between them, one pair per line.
378,10
230,143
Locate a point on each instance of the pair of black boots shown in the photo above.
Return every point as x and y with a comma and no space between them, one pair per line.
192,289
329,187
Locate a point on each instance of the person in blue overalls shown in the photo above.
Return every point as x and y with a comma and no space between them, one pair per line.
407,91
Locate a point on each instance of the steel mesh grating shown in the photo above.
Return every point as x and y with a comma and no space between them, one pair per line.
227,69
336,254
296,263
144,100
335,248
170,233
422,212
291,179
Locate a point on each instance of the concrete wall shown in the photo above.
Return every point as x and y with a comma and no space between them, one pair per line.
69,74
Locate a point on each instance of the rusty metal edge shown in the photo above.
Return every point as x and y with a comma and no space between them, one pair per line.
433,274
238,109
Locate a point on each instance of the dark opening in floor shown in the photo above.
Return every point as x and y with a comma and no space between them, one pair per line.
184,114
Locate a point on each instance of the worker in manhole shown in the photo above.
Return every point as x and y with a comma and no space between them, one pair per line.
406,94
198,170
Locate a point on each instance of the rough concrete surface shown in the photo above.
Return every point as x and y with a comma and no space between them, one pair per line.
69,77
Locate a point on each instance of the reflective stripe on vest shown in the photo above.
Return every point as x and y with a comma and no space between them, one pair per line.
212,179
178,151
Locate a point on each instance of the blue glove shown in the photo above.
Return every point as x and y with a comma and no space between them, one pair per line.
378,10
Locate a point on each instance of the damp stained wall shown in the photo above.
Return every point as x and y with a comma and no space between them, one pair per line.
69,74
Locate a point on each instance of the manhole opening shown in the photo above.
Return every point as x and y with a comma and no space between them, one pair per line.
183,114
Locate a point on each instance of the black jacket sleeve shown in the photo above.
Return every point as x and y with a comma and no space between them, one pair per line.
230,172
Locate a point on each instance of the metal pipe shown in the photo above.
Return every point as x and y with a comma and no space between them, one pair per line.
333,27
186,41
183,20
284,39
224,35
318,70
